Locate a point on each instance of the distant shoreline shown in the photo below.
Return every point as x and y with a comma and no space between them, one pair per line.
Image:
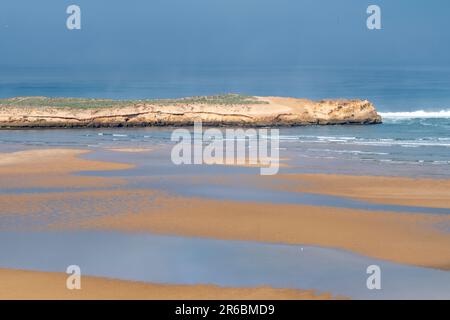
223,110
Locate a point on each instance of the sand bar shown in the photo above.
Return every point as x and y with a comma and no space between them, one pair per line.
414,239
32,285
405,191
54,168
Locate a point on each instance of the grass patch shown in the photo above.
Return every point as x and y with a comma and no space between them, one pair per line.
81,103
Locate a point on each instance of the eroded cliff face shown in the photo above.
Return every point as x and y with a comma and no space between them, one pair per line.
268,111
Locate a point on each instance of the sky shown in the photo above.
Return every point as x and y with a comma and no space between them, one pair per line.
224,32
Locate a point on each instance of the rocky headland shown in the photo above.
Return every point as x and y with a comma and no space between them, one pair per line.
222,110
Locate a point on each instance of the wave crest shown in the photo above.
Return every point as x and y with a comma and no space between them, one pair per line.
419,114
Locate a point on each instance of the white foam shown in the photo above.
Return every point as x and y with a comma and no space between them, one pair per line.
419,114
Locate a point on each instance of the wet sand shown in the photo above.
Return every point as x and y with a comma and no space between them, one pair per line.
32,285
388,190
44,191
53,168
52,161
399,237
131,150
416,239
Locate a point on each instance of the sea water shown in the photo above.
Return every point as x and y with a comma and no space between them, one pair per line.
413,101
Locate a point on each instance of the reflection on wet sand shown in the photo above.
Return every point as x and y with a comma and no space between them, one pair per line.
47,193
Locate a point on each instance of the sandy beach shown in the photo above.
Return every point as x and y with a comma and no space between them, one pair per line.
392,236
385,235
419,192
413,239
52,168
33,285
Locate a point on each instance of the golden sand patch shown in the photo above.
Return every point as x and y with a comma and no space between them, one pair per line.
390,190
53,161
53,168
32,285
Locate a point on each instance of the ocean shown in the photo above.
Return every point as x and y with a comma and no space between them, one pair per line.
391,89
414,138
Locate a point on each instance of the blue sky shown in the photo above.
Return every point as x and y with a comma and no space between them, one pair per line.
222,32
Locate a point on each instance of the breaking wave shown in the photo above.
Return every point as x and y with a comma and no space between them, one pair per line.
419,114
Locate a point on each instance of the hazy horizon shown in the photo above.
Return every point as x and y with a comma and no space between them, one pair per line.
181,33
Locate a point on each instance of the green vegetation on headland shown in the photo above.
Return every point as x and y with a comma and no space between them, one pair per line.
82,103
219,110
